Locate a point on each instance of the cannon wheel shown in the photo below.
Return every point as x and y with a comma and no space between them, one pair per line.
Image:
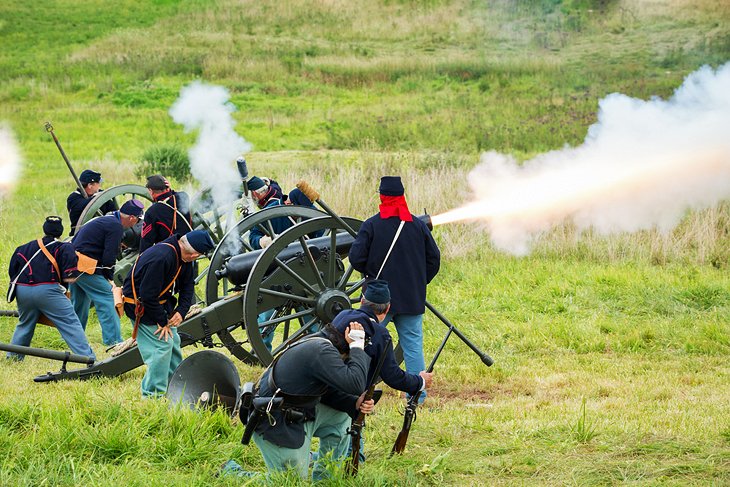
235,242
309,289
100,199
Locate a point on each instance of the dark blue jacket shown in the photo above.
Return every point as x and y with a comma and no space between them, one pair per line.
76,203
161,220
309,368
154,270
413,263
100,239
278,224
40,270
380,343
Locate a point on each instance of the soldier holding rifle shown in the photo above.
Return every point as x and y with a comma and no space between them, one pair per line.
288,411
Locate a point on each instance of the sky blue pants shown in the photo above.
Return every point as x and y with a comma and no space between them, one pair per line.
161,357
50,300
410,338
329,425
95,288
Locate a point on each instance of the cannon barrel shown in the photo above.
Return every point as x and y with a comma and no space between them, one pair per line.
238,267
49,354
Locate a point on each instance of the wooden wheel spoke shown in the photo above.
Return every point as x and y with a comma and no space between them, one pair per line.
296,276
345,277
312,264
355,287
292,297
282,319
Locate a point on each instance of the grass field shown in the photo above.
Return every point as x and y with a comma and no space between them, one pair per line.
611,353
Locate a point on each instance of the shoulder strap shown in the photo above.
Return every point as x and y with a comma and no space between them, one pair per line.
50,257
392,244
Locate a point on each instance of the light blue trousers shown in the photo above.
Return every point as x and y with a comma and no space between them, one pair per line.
410,338
161,357
329,425
95,288
50,300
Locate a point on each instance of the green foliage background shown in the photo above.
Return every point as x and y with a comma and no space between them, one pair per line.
611,355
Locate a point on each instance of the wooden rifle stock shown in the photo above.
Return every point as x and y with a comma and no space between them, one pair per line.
409,415
355,430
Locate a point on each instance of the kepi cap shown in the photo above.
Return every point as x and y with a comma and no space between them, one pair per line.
200,241
377,292
391,186
255,183
157,182
53,226
132,208
89,176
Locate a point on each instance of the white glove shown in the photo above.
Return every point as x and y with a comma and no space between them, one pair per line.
358,339
265,241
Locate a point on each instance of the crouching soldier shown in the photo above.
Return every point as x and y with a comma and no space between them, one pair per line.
160,271
287,412
374,306
37,270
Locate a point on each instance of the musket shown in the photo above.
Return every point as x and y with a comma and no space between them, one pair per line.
355,430
49,129
409,415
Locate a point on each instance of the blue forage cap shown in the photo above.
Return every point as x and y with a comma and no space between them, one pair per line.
255,183
298,198
132,208
89,176
391,186
200,241
53,226
377,292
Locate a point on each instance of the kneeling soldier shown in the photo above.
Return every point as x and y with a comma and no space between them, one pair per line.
36,272
288,413
148,290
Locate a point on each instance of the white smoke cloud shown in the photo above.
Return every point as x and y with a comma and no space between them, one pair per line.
206,108
10,160
641,166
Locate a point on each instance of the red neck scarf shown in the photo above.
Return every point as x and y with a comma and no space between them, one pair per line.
395,206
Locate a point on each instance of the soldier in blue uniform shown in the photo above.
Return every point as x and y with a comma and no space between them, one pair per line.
36,276
97,244
169,214
301,375
160,271
374,306
76,201
266,194
397,246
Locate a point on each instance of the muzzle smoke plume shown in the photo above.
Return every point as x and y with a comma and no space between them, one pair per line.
641,166
9,160
206,108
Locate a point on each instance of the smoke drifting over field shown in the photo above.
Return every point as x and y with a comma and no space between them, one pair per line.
642,165
9,160
206,108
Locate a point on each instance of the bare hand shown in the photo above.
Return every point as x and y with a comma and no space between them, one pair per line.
354,325
365,407
427,377
165,332
174,320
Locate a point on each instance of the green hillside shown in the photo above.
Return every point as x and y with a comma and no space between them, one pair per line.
611,354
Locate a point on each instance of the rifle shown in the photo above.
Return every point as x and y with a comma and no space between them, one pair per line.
409,415
355,430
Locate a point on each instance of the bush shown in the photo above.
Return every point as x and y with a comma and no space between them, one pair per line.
169,160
